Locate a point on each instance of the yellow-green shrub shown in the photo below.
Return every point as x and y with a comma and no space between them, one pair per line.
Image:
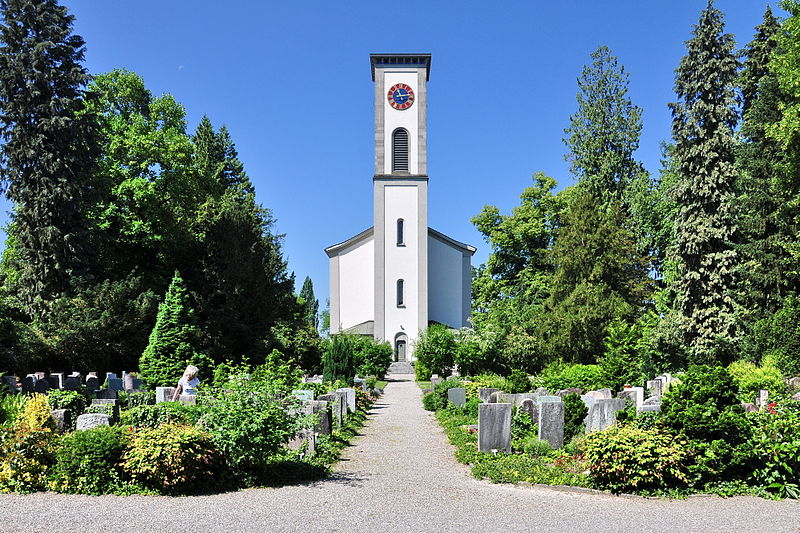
36,414
27,448
751,378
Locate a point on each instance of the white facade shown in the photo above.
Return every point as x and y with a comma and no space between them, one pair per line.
393,279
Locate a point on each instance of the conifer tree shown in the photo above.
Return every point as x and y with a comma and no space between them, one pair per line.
49,149
174,339
702,128
310,304
604,133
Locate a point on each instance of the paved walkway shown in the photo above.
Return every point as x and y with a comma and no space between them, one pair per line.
400,476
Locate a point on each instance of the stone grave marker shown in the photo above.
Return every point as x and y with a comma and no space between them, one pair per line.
29,383
56,380
116,384
360,383
794,383
567,392
796,397
163,394
107,394
62,419
761,402
457,396
92,420
551,423
484,393
335,402
493,397
72,383
114,407
127,382
652,404
603,413
435,381
350,398
303,394
749,407
188,399
111,375
588,400
515,399
41,386
92,383
324,419
542,391
531,408
11,382
494,427
548,399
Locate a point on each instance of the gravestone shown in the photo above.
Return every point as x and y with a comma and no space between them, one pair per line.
484,393
493,397
656,387
115,383
652,404
164,394
350,398
435,381
542,391
761,402
29,383
794,383
588,400
360,383
531,408
40,375
303,394
324,418
111,375
62,419
749,407
41,386
188,399
335,403
56,380
457,396
92,420
105,394
567,392
796,397
114,407
11,382
72,383
92,383
548,399
127,382
551,423
515,399
603,413
494,427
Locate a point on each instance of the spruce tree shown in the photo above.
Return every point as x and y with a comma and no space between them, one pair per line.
310,304
174,339
703,121
604,133
49,149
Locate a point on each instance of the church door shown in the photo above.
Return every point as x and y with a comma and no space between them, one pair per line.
400,351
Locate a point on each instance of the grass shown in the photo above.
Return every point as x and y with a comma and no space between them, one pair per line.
424,385
380,384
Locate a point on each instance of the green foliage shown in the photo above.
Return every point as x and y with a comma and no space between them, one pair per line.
703,121
67,399
751,378
705,409
46,138
26,454
338,362
309,304
779,335
434,350
437,399
175,459
623,458
372,358
536,447
560,375
35,414
11,405
777,443
135,399
604,133
530,469
88,462
517,382
153,416
523,428
620,364
575,412
173,342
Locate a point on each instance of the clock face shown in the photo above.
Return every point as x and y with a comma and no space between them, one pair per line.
401,96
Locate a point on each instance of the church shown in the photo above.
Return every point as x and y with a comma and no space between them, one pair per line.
394,279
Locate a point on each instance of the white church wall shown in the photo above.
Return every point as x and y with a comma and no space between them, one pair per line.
445,283
401,262
356,275
407,118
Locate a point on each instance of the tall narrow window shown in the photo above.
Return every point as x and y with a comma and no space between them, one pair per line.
400,150
400,287
400,240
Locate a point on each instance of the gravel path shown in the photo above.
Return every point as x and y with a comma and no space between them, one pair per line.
400,476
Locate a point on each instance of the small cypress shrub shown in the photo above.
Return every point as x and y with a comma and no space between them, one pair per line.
338,363
88,462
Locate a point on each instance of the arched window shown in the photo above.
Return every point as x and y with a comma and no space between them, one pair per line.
400,284
400,150
400,238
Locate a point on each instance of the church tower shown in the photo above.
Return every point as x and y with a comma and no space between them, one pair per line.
394,279
400,197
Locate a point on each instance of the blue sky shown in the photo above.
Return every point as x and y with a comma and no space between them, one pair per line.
291,81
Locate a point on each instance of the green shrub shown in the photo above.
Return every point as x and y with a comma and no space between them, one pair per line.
35,414
11,405
779,335
26,454
620,364
145,397
338,361
536,447
372,358
517,382
559,375
100,408
777,442
751,378
435,349
705,409
67,399
522,427
88,462
502,468
152,416
574,414
422,372
623,458
438,398
175,459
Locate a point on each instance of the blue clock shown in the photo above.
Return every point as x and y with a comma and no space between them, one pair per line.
401,96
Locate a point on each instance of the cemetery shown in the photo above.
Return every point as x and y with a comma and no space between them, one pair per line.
654,439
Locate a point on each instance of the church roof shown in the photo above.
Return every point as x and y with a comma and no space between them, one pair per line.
400,60
367,233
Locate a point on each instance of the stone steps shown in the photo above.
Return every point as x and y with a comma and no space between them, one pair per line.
401,367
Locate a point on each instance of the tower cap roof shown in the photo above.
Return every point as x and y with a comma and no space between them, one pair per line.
411,60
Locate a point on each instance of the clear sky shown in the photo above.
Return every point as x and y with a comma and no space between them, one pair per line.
291,80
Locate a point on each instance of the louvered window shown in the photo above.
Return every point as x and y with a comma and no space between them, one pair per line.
400,288
400,150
